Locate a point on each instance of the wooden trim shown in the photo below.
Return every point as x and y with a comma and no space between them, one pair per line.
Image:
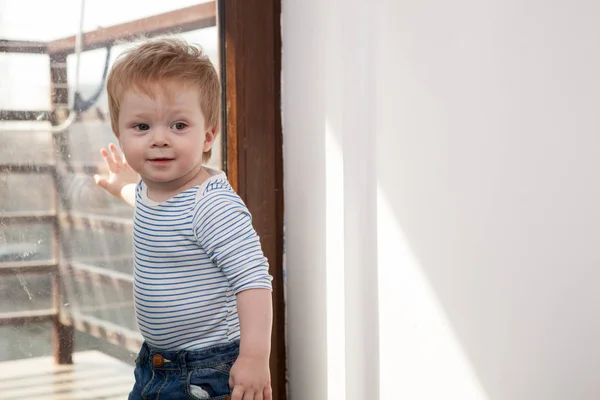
85,168
47,168
112,333
72,219
27,168
254,138
62,335
38,217
79,220
22,46
19,318
223,79
18,115
96,275
28,267
182,20
231,92
59,93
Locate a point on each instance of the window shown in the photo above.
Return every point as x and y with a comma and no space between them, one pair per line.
65,246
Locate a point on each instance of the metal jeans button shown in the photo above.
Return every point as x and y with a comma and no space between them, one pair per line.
158,360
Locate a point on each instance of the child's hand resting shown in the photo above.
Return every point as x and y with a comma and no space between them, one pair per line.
250,379
121,179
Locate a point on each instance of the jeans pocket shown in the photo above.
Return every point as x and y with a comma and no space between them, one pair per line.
208,384
143,377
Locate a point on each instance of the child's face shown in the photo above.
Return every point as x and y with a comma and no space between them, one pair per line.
163,137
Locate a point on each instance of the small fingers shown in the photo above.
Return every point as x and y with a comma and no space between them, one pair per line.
100,181
238,393
249,395
112,158
116,156
108,160
268,393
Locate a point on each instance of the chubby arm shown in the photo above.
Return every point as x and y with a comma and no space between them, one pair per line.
128,194
255,311
224,230
250,376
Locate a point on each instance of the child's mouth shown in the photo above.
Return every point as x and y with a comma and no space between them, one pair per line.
160,161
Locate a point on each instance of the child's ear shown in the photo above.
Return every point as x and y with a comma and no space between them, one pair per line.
209,139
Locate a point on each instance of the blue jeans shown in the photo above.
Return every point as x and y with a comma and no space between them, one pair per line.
175,375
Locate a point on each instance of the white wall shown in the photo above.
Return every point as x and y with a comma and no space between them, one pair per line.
442,198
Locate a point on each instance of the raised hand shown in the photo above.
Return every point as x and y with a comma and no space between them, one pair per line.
121,178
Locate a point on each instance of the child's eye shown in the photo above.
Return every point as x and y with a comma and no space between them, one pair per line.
179,126
142,127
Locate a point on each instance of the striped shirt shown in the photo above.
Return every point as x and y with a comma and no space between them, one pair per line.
192,254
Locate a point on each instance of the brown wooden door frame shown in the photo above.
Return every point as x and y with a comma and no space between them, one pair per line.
250,35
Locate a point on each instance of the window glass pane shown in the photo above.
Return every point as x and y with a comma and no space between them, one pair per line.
20,92
16,192
47,182
25,242
34,340
27,292
25,148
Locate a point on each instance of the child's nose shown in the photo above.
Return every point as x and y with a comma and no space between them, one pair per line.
160,139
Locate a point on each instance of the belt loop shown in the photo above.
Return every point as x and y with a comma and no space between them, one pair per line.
144,354
182,365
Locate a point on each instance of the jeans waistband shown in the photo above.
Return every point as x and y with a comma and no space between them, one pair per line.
184,359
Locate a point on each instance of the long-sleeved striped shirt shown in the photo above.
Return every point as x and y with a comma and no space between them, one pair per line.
192,254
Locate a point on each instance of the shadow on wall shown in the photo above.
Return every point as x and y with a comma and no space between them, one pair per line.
487,161
484,126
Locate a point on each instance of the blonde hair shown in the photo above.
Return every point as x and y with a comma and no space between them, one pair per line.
160,60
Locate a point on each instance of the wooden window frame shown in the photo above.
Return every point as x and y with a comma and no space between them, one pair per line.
250,62
252,138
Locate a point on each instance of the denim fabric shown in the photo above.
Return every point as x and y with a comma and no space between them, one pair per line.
198,375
